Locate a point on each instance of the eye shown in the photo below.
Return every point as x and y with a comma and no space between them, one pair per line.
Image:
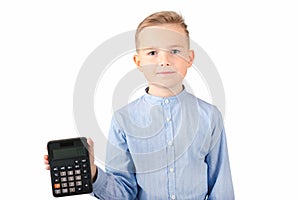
152,53
175,51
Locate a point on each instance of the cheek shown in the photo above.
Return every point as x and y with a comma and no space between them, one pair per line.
148,61
182,69
182,72
149,69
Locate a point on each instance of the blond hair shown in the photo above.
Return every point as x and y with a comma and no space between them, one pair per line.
159,18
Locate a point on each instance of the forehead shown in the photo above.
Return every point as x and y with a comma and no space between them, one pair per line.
165,36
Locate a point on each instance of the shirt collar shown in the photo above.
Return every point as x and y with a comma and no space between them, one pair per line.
164,100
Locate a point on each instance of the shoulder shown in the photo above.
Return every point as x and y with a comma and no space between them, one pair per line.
203,106
132,110
131,106
208,113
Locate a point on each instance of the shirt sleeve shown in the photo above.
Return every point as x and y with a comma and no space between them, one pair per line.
118,182
220,186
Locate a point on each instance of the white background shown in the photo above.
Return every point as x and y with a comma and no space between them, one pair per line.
254,45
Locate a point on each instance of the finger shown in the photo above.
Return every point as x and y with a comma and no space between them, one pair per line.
92,160
91,150
90,142
46,159
91,146
46,162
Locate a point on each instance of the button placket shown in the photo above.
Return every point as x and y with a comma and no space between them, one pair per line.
170,147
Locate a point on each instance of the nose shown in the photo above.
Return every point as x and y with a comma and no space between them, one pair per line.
164,60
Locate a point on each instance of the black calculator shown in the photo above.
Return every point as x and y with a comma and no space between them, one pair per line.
69,167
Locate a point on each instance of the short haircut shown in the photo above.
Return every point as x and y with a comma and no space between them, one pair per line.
160,18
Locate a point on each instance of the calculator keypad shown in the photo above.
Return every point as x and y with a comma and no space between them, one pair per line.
71,178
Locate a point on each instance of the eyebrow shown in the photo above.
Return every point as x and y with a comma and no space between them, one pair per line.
169,47
176,46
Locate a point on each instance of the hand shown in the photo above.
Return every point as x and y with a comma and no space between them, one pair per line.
46,162
92,161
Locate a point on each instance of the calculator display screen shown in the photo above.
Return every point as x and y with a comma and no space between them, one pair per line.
68,152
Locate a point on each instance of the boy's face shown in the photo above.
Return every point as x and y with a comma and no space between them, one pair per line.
163,55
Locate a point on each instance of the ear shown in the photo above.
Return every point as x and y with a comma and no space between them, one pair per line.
137,61
191,58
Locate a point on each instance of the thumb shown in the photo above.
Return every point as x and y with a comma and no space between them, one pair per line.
91,155
91,149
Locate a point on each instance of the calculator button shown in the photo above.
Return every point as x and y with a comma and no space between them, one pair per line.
70,173
77,166
71,184
63,168
63,173
65,190
78,178
63,179
56,185
64,185
77,171
71,178
57,191
78,183
72,189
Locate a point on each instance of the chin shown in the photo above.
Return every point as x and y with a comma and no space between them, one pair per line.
166,85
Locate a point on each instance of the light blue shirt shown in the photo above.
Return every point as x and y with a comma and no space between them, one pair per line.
166,148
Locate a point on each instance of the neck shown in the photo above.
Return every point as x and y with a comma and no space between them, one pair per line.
160,91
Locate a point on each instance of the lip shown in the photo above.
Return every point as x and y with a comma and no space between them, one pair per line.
169,72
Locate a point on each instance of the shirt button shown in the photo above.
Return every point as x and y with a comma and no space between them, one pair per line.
170,143
168,119
173,196
171,169
166,101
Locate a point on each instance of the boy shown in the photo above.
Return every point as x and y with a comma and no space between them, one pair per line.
167,144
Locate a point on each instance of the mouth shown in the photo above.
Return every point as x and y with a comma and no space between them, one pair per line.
166,72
